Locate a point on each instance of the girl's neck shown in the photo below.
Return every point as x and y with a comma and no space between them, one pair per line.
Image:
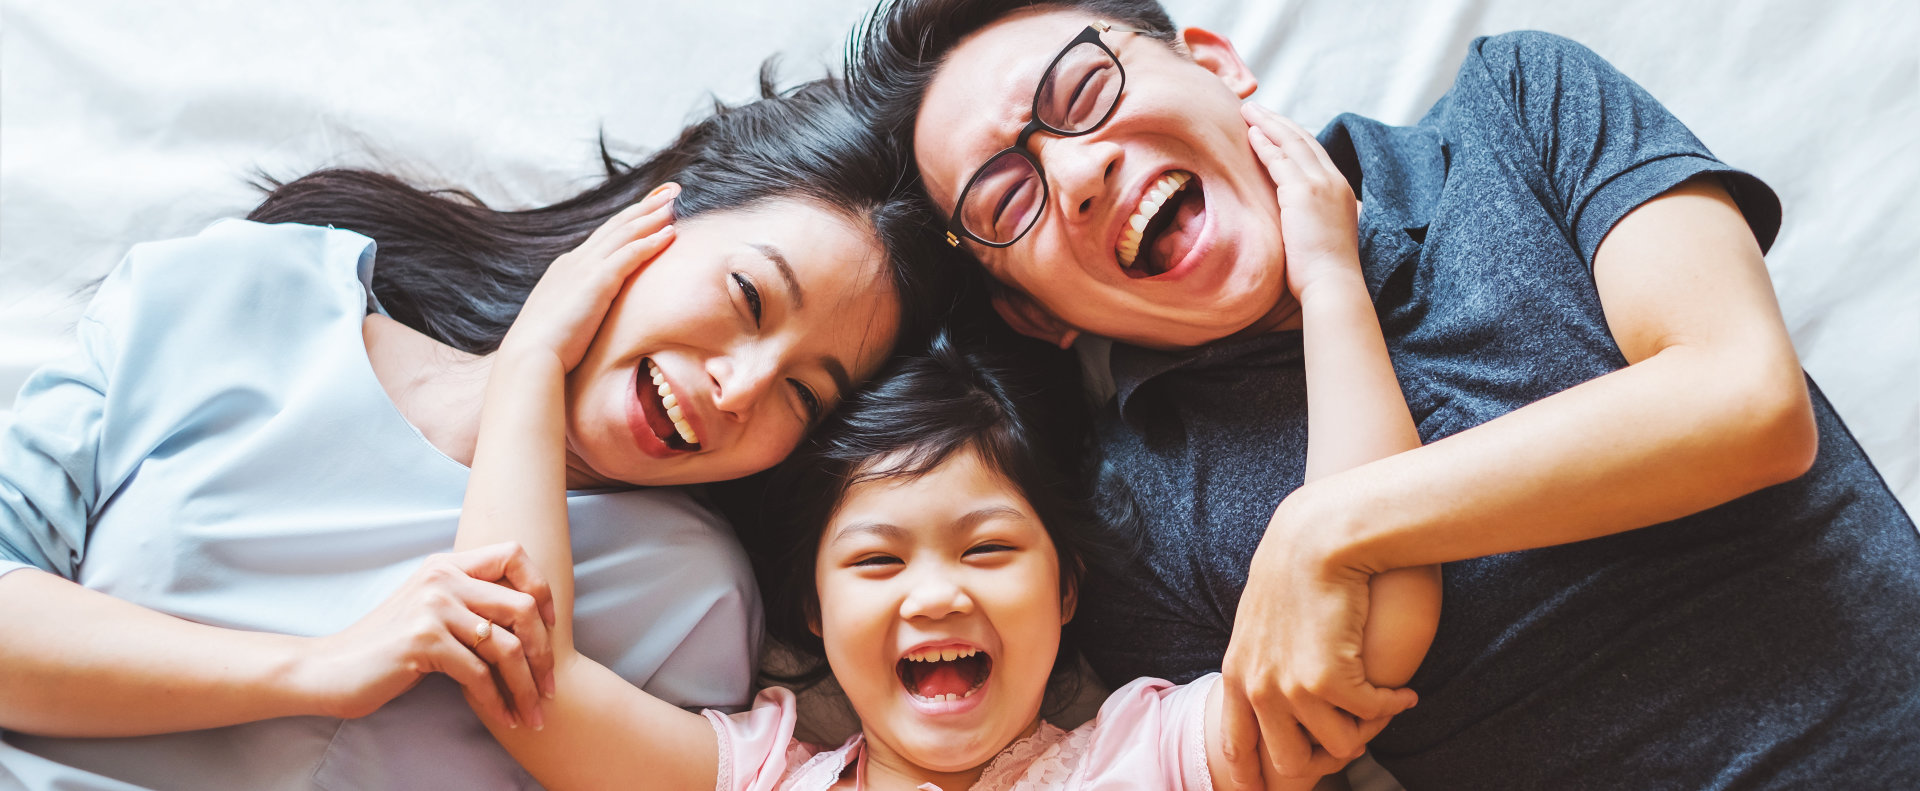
887,770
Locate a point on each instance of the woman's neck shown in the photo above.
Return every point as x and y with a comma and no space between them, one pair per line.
438,389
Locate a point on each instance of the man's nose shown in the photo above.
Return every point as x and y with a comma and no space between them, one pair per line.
1082,170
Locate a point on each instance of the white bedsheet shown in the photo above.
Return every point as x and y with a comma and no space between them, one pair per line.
126,121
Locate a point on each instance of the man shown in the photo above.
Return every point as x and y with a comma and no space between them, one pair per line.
1572,290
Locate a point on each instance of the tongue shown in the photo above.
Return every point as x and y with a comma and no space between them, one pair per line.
1173,243
944,678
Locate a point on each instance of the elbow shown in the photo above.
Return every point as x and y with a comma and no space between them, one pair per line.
1783,436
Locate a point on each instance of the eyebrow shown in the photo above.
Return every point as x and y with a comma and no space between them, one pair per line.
893,532
835,369
786,271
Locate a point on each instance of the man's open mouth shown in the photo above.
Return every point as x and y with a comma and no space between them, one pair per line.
662,409
1163,227
944,674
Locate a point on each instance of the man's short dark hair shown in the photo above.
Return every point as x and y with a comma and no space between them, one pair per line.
895,52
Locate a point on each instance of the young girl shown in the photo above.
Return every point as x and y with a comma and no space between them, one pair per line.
939,558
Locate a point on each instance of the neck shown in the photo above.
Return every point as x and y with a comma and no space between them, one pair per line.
888,770
438,389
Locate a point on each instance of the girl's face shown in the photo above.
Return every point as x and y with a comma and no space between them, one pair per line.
718,356
940,608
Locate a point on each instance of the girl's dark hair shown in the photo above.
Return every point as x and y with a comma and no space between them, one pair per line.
459,271
894,53
1018,405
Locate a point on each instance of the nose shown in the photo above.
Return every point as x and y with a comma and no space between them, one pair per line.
935,595
1081,168
739,380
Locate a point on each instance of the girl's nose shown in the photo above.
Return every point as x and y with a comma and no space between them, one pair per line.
935,596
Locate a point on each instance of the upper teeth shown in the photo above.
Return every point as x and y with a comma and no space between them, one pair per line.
940,654
673,405
1150,203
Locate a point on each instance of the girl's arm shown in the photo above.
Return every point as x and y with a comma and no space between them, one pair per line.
1356,415
596,730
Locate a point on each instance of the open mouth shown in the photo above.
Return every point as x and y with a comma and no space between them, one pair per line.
936,675
664,414
1164,225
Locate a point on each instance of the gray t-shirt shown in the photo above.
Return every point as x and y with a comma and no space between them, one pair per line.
1768,642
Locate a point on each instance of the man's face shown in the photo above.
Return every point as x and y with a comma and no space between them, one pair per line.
1209,262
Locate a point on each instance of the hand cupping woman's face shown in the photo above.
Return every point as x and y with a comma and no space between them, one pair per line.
722,352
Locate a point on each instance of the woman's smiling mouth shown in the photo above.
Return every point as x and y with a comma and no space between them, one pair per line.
656,414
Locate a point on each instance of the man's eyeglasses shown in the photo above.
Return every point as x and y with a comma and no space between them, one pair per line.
1077,94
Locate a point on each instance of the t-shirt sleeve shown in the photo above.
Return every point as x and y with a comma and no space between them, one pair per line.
1598,144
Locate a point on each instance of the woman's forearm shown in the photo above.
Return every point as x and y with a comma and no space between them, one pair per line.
76,662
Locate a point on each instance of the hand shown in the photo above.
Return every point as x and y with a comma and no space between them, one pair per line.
1319,218
432,624
1292,679
571,300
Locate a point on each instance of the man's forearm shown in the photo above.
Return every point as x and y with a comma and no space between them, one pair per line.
1679,432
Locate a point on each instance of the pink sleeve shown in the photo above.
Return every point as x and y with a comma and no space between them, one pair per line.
1151,729
757,747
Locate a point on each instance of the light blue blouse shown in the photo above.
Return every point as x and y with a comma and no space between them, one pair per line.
219,450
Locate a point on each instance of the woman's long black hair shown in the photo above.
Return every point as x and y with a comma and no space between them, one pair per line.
458,270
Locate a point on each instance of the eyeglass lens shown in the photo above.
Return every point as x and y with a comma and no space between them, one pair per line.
1075,96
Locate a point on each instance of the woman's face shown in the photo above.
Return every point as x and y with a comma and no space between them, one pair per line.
940,608
723,351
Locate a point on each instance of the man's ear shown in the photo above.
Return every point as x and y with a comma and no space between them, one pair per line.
1216,54
1028,318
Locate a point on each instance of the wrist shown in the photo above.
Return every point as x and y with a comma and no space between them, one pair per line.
1330,533
1339,282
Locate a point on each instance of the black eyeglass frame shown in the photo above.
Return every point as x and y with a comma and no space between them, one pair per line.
956,228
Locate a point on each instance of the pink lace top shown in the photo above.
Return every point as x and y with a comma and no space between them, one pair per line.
1148,734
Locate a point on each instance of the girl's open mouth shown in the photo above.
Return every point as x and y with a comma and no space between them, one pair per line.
662,410
944,680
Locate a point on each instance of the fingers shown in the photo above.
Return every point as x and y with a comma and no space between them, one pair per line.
504,652
523,607
1284,139
458,661
1240,738
613,232
515,618
1333,729
509,561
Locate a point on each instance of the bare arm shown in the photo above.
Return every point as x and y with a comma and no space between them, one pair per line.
596,730
1712,406
1356,414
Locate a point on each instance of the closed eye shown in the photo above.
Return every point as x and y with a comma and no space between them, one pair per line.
988,548
752,294
875,561
809,401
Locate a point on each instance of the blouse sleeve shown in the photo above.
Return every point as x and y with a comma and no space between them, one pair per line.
49,485
1151,729
757,747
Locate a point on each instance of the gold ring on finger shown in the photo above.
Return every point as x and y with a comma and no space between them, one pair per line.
482,632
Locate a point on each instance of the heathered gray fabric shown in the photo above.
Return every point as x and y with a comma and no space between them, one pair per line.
1771,642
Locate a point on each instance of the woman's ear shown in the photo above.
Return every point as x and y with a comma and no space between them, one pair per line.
1028,318
1216,54
1070,598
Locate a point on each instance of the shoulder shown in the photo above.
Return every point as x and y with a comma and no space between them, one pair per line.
237,269
1537,75
1149,728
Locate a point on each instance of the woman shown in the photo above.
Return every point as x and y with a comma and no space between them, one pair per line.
234,485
